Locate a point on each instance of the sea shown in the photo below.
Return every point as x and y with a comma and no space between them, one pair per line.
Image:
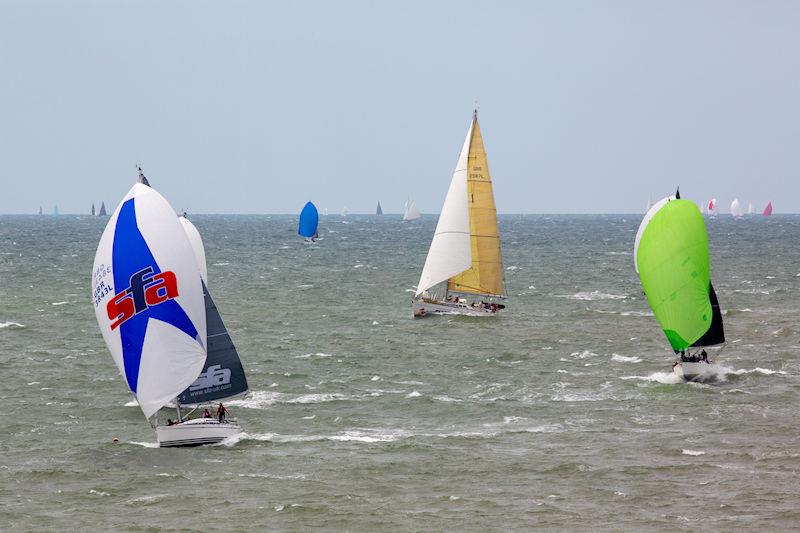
562,414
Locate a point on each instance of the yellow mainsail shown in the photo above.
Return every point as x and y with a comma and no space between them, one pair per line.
485,276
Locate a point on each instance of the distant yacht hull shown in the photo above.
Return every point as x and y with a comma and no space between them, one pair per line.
423,308
696,371
195,432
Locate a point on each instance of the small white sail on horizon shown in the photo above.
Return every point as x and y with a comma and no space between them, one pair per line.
750,209
736,209
411,212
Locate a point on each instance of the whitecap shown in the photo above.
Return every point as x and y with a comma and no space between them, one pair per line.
358,266
223,264
512,267
375,378
375,323
594,295
658,377
693,452
59,303
765,371
99,492
413,394
145,444
625,359
11,325
583,355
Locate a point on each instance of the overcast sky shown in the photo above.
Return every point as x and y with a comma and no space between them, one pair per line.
257,107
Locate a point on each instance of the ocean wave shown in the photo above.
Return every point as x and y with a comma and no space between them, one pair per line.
15,325
625,359
593,295
263,399
692,452
59,303
583,355
758,370
668,378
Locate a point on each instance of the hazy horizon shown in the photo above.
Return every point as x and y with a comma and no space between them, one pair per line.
248,107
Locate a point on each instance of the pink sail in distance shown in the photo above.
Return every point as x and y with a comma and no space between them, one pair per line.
767,210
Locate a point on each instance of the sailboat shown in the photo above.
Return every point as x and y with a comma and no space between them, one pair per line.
156,327
379,211
55,210
464,259
736,209
712,207
102,212
411,212
40,210
671,257
750,209
767,210
309,221
92,210
344,211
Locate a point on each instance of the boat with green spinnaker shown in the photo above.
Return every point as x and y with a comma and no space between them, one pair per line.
671,257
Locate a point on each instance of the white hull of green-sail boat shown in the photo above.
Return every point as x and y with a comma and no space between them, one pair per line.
701,371
425,307
196,432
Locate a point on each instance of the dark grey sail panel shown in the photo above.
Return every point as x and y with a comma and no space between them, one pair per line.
223,375
716,333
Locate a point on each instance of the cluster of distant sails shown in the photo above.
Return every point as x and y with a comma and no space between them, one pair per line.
712,208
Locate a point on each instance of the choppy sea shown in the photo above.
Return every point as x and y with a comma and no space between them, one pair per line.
561,414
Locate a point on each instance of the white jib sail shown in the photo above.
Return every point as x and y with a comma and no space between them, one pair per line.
148,299
450,252
197,246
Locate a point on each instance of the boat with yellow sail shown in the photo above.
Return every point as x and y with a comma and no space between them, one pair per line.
463,273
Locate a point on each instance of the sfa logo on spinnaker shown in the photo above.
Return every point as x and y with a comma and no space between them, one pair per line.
146,290
214,376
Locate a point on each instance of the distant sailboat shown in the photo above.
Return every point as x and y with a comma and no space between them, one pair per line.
162,330
671,257
344,211
40,210
411,212
767,210
93,210
102,212
736,209
55,210
379,211
464,257
750,209
712,207
309,221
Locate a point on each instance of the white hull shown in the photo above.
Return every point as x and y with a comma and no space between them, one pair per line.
195,432
424,308
696,371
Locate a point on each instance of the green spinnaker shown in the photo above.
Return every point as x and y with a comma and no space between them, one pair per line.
673,264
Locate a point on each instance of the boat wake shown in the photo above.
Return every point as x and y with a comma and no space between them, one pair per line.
717,373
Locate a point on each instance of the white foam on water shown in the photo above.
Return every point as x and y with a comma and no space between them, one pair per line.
358,266
413,394
145,500
375,323
583,355
304,286
668,378
758,370
222,264
692,452
4,325
264,399
625,359
375,378
512,267
636,313
318,354
145,444
59,303
132,403
99,492
594,295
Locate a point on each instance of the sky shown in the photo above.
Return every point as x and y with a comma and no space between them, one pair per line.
257,107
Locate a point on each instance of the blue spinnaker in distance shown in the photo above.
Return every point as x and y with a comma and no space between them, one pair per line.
309,220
